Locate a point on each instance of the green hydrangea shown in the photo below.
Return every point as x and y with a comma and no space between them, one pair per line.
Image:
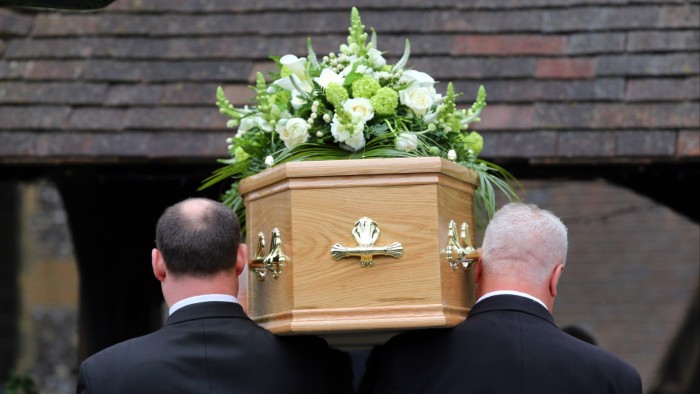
365,87
336,94
385,101
474,142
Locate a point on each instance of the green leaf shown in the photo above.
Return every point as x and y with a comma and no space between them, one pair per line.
404,59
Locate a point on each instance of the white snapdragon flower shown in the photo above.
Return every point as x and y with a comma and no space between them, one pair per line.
351,134
269,161
406,142
327,77
251,122
376,58
360,69
293,131
451,155
382,75
361,107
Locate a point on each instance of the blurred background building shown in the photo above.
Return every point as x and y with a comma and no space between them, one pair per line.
107,117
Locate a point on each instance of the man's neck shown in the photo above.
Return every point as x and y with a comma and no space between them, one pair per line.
490,286
176,289
512,292
202,298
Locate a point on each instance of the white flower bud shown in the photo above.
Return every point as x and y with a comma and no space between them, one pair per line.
452,155
269,161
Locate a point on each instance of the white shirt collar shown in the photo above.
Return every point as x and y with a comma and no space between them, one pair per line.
512,292
201,298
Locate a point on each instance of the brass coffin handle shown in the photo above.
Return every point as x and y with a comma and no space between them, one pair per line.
457,254
366,233
273,261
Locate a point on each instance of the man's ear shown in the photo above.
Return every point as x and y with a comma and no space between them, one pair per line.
554,279
241,258
158,264
477,270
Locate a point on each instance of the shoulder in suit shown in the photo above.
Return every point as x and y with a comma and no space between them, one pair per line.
507,344
214,347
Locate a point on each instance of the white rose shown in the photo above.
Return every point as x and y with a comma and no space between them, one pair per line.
327,77
418,99
293,131
417,78
361,107
406,142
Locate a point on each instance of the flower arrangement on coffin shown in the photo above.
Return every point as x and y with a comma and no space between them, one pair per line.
352,105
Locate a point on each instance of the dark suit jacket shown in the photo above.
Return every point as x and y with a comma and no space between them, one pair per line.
508,344
213,347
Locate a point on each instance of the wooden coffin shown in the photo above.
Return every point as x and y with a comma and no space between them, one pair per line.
311,214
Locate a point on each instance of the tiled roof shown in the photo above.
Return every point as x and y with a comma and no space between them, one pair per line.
567,80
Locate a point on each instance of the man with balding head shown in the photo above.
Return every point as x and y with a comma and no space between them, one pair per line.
208,344
509,342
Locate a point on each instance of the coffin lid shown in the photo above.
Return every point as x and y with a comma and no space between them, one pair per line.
357,167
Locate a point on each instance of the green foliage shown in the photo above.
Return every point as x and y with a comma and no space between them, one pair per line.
17,383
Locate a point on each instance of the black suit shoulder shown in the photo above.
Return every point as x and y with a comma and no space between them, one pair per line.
211,348
508,344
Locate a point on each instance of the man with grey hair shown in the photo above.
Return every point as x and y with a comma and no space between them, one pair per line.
208,344
509,342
